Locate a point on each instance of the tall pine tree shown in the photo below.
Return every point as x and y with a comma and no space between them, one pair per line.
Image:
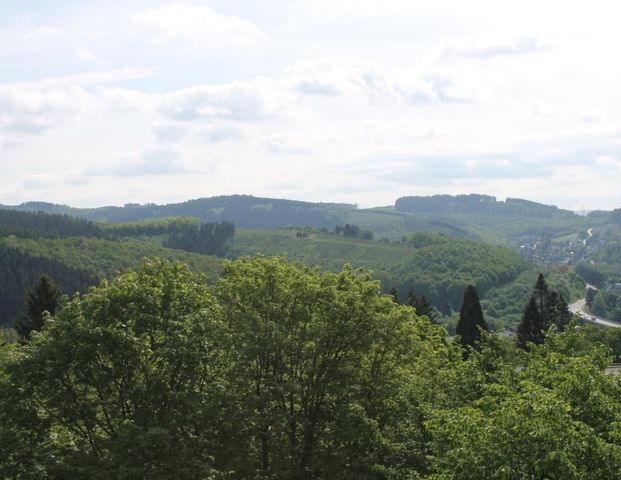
394,294
541,295
421,305
544,309
44,297
471,320
530,328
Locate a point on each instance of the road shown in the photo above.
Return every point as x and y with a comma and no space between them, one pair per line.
578,307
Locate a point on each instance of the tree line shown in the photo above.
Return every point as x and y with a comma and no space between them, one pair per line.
38,224
207,238
184,233
353,231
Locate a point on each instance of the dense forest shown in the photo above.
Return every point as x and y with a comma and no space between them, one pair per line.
39,224
207,238
474,217
477,204
296,365
19,271
77,254
83,253
242,210
280,371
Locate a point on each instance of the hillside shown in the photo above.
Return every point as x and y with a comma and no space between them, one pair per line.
79,253
243,210
437,266
479,218
478,205
441,247
76,263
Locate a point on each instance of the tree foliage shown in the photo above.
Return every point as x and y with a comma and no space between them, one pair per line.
44,299
122,383
421,305
206,238
471,322
279,372
353,231
39,224
549,413
545,308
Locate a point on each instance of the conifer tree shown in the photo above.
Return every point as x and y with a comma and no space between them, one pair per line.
541,295
530,328
44,297
557,312
564,315
421,305
471,320
544,309
393,293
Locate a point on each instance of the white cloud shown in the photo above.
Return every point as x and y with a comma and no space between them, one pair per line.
85,54
83,79
282,145
334,76
195,23
375,111
484,49
237,101
370,8
42,33
34,111
39,182
150,162
337,76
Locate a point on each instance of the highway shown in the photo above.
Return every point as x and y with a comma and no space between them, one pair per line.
578,307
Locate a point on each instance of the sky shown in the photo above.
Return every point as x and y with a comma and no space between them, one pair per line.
357,101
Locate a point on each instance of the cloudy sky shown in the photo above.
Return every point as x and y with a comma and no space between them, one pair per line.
359,101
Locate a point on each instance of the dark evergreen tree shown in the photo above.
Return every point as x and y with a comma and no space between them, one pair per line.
557,312
207,238
44,297
530,328
541,295
590,296
393,293
471,320
421,305
564,315
353,231
544,309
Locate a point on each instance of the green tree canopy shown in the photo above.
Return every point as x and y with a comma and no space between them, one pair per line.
550,413
125,382
324,368
280,371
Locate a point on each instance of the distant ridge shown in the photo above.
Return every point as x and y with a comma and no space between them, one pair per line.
476,204
474,216
244,210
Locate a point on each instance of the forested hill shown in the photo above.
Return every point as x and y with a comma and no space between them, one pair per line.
479,218
243,210
478,205
38,224
77,253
